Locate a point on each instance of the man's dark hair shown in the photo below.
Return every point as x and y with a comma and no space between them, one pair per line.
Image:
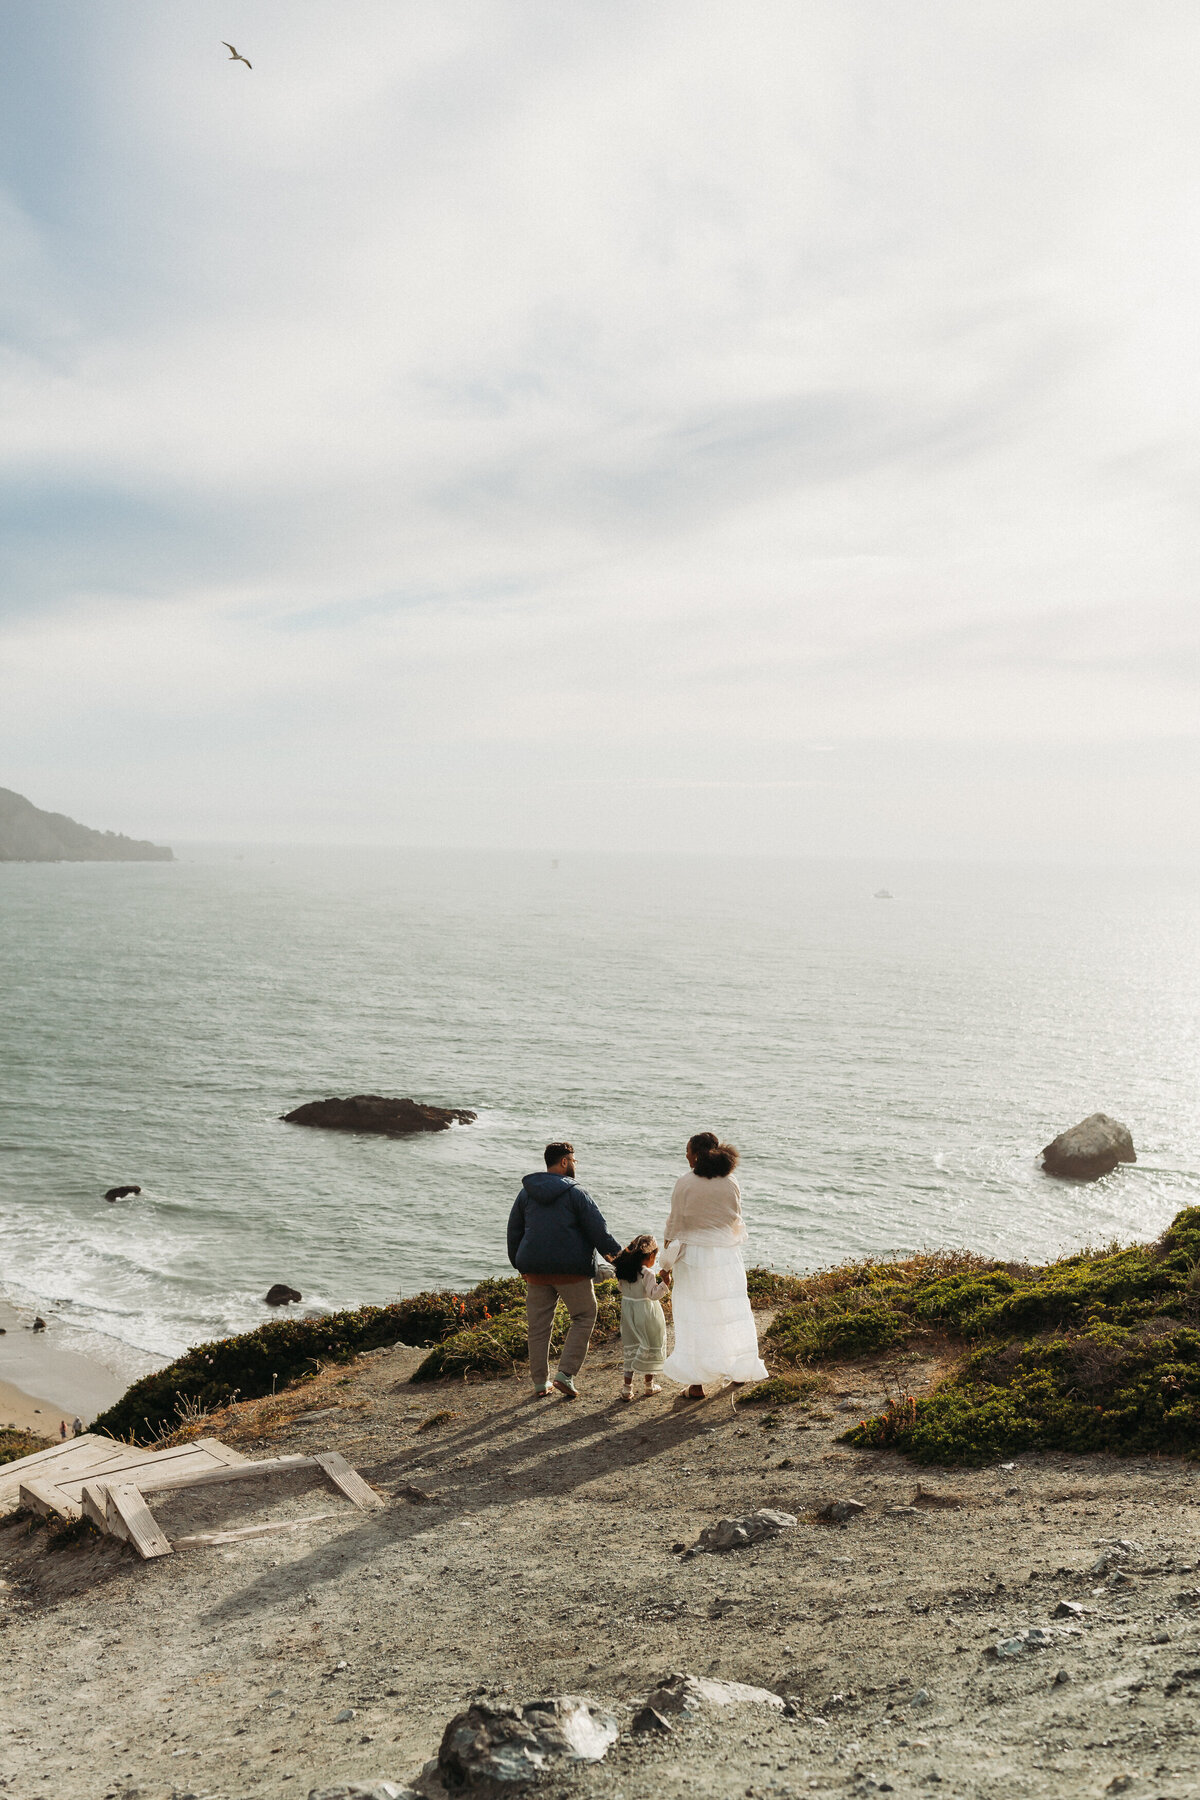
556,1152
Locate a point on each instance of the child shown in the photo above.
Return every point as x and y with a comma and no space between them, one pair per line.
643,1322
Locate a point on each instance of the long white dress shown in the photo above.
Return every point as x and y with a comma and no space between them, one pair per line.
715,1335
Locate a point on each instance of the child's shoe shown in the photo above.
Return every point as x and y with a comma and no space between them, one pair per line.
566,1386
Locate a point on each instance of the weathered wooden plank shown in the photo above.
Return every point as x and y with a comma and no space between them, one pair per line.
152,1481
224,1453
44,1498
204,1538
348,1479
129,1517
182,1456
93,1502
76,1454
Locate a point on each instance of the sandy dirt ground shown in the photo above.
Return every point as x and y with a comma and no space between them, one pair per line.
544,1564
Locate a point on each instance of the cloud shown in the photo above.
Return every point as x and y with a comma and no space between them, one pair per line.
583,392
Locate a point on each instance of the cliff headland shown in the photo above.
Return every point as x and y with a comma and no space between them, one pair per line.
27,834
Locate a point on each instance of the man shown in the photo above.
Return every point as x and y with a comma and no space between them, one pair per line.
553,1229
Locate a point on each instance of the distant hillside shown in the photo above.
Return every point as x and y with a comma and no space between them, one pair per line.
27,834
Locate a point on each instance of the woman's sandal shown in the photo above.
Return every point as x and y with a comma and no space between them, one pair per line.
694,1393
654,1387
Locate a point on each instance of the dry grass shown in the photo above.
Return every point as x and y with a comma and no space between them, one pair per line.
244,1420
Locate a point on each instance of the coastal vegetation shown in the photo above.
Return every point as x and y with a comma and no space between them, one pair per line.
283,1351
1098,1351
15,1443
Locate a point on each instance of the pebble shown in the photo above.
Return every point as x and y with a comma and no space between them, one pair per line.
344,1717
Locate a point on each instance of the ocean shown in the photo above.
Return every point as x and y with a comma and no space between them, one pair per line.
889,1068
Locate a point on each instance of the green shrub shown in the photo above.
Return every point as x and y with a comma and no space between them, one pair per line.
768,1288
15,1444
283,1351
849,1324
779,1390
1095,1351
491,1349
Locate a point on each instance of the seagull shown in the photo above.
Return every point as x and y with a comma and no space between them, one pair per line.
235,55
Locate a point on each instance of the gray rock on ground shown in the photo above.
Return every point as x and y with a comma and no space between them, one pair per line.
1090,1149
365,1790
520,1743
686,1695
735,1534
840,1512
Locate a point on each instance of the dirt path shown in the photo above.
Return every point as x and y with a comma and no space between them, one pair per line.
337,1652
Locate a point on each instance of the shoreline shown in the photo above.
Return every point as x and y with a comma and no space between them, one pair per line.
43,1382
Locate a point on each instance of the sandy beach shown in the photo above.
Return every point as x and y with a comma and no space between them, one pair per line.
42,1382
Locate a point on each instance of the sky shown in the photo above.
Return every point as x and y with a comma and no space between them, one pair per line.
615,424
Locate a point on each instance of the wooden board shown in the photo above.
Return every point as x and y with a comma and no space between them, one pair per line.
133,1465
130,1518
164,1480
204,1538
41,1497
348,1479
73,1456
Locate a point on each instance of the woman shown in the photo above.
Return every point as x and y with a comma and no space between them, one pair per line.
715,1338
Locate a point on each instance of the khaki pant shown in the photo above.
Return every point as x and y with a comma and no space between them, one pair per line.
541,1298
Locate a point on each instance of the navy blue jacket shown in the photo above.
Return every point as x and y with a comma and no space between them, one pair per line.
554,1226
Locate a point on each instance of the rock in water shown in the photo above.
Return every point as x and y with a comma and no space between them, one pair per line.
123,1193
281,1295
371,1112
1090,1149
520,1743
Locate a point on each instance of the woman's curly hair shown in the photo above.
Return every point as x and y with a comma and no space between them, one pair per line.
712,1156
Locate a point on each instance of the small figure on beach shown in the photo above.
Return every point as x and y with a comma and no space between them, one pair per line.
555,1230
643,1322
77,1427
715,1335
62,1428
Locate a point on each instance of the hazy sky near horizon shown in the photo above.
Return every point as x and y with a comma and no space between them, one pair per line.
628,423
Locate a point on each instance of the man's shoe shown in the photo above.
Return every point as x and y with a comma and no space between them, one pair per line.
566,1386
543,1388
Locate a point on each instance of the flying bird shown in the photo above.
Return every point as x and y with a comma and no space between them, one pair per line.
235,55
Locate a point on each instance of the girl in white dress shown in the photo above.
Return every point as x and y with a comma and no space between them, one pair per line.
715,1335
643,1322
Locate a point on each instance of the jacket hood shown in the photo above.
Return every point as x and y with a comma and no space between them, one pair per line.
544,1187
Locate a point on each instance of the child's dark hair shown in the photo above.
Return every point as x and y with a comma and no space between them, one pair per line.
712,1156
630,1261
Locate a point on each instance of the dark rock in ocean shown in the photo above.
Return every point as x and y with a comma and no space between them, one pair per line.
371,1112
122,1193
281,1295
1090,1149
27,834
39,1324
